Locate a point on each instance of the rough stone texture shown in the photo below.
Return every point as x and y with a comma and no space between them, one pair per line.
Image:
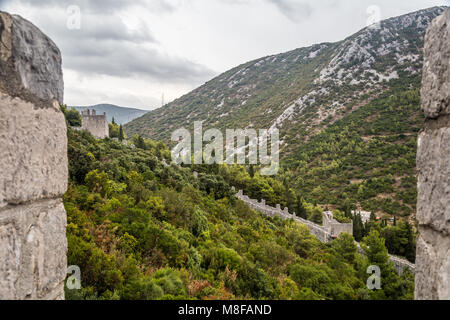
33,164
96,124
33,250
36,59
433,164
33,157
436,68
433,265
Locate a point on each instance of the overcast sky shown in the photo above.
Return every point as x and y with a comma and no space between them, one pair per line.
130,52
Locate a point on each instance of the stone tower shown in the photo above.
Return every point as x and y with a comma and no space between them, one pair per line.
433,164
96,124
33,164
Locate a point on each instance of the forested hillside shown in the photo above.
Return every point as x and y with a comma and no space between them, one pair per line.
141,229
348,114
367,159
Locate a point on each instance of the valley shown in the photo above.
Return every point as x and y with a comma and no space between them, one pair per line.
191,201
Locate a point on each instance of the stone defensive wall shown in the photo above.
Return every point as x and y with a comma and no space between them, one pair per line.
96,124
326,233
335,227
33,164
315,229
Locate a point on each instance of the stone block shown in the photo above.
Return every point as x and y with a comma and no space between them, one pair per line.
36,60
33,249
33,157
432,265
33,164
435,91
433,165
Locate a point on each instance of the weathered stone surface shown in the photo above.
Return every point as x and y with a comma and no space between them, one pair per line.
34,58
33,164
433,265
433,165
33,248
436,68
33,157
96,124
38,60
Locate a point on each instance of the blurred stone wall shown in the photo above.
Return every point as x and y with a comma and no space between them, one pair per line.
433,164
33,164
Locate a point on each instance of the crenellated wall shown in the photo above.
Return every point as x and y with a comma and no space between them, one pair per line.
96,124
315,229
325,233
335,227
33,164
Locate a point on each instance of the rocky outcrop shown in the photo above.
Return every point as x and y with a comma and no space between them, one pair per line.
433,164
33,164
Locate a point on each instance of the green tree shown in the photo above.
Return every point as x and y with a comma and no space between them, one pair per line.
291,199
358,227
375,250
140,142
300,208
410,249
316,215
340,216
251,171
121,133
73,116
113,130
345,245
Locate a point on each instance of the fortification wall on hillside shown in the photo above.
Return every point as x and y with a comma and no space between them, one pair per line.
321,232
334,227
433,165
96,124
315,229
33,164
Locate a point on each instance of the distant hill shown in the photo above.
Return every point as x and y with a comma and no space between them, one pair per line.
121,115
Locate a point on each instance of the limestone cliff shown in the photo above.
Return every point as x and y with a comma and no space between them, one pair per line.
33,164
433,164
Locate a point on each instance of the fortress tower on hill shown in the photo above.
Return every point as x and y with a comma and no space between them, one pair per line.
97,125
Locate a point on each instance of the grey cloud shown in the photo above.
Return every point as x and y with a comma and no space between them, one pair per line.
100,7
104,45
236,2
295,10
112,58
102,28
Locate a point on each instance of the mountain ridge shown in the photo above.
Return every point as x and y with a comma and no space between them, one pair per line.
348,114
121,115
295,85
